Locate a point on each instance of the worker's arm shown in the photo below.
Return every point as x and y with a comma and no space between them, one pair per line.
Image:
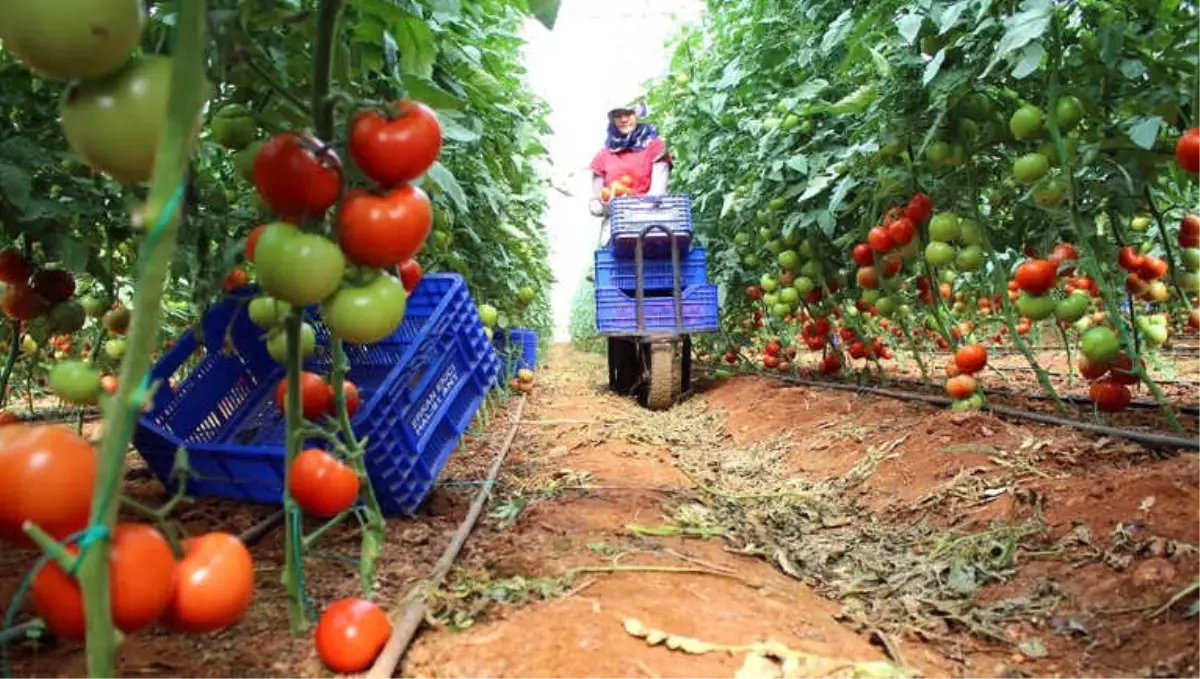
659,173
595,205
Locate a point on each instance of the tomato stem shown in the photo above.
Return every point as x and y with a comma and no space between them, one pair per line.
50,546
14,350
311,538
293,569
1172,258
162,211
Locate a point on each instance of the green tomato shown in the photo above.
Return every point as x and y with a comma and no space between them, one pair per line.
114,348
741,238
1188,280
277,343
805,249
1073,307
1082,324
243,161
267,312
958,156
790,121
1050,193
750,261
812,269
970,232
969,258
1026,122
792,239
774,246
768,283
1100,344
1068,111
114,124
789,296
766,233
886,306
938,153
976,106
771,124
525,296
489,315
1155,334
1070,143
372,312
778,203
871,296
938,253
71,39
296,267
67,317
93,306
233,127
75,382
1036,307
781,106
1030,167
788,259
780,310
803,285
1140,223
948,276
1191,259
944,227
770,299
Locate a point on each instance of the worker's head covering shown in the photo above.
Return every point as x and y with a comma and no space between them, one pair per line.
637,138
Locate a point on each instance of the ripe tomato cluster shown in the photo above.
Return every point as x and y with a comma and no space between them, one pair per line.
523,382
617,188
362,280
961,383
207,589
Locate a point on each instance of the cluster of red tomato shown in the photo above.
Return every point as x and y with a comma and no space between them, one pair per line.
30,293
891,242
205,590
961,384
378,232
523,382
619,187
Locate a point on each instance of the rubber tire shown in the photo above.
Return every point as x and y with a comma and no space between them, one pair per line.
624,365
660,376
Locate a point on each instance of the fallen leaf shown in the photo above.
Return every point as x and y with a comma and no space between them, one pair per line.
1147,503
758,666
1033,648
635,628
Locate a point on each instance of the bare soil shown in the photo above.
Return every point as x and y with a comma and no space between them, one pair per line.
847,529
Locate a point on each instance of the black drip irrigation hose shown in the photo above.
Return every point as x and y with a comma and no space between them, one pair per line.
1145,438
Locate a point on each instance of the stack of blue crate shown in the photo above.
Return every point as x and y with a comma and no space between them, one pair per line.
670,219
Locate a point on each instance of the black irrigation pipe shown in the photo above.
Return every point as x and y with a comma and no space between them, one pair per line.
250,537
1055,373
1145,438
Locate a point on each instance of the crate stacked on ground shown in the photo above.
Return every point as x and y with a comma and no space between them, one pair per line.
419,390
661,221
517,349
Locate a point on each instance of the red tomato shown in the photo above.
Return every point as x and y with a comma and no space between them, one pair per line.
350,393
879,240
902,231
771,361
297,176
1152,268
395,149
863,256
1035,276
830,364
1120,370
892,264
22,304
868,278
1130,259
1135,285
1109,396
920,207
252,241
1187,151
46,476
1063,252
960,387
214,584
773,348
109,383
141,582
385,231
236,279
1189,232
350,634
9,417
14,268
952,370
322,484
54,285
971,358
315,395
410,274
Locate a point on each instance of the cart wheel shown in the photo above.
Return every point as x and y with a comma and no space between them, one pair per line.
660,376
624,365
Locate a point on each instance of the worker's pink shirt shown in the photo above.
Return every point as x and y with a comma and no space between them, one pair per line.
611,165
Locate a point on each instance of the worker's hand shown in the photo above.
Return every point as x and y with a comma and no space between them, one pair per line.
597,208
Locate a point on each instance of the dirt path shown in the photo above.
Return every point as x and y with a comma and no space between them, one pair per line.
834,529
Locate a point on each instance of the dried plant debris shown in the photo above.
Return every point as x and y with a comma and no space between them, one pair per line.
892,570
768,659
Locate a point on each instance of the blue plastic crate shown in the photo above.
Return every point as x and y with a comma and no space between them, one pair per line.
616,312
517,349
419,387
657,274
629,215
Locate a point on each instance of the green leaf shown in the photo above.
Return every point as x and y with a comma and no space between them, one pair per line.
837,31
910,27
71,254
456,131
417,49
950,16
444,179
731,76
1143,130
1029,61
882,67
1133,68
426,92
444,10
839,192
1020,29
799,163
545,11
932,68
16,186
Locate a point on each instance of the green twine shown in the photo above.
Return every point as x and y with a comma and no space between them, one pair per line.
89,536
